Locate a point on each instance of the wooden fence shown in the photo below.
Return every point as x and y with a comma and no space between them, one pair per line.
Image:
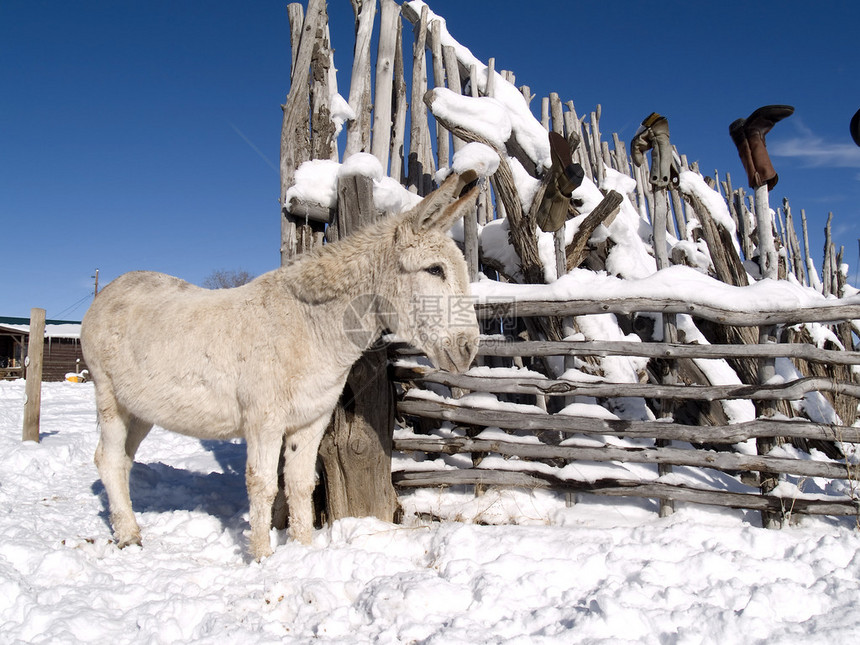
563,439
796,461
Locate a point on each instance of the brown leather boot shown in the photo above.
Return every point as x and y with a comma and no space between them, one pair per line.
755,127
736,131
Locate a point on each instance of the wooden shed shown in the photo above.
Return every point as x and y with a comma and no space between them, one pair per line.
62,348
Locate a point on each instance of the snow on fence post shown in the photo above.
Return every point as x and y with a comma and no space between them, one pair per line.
33,375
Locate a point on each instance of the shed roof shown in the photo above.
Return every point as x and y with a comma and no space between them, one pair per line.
53,328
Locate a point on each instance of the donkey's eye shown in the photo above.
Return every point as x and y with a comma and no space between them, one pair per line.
437,270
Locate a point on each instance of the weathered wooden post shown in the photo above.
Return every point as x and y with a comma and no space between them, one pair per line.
421,163
299,233
767,335
389,21
358,129
356,449
749,138
33,365
654,135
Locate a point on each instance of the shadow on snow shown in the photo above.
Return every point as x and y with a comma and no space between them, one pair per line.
160,488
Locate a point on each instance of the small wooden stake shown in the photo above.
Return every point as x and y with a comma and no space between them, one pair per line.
33,387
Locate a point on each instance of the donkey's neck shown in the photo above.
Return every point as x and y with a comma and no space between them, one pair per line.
351,267
338,282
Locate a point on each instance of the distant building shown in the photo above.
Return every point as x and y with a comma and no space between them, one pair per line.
62,348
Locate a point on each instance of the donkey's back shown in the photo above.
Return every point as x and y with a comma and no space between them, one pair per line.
174,354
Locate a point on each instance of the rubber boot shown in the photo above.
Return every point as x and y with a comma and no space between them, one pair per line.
736,131
757,125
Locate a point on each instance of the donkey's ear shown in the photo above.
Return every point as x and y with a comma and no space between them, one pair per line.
441,208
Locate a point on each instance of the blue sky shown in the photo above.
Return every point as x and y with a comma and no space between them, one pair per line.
145,135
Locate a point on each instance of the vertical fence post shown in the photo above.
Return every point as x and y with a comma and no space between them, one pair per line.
767,369
670,331
33,366
653,135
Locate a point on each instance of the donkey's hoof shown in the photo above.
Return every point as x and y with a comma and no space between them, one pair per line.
262,554
132,541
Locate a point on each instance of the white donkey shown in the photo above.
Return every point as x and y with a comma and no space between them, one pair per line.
269,359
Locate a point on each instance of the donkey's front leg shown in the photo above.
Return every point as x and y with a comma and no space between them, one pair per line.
300,459
261,479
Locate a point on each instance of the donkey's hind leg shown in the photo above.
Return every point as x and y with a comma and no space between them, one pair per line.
118,433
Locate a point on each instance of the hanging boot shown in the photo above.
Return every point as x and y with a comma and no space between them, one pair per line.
757,125
736,131
653,135
563,178
661,155
571,174
855,127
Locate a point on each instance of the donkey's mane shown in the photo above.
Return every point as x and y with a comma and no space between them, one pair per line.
347,266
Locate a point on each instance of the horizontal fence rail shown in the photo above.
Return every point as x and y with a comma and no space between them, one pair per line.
493,347
790,391
541,421
623,488
840,310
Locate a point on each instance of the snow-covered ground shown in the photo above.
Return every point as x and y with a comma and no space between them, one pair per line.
592,573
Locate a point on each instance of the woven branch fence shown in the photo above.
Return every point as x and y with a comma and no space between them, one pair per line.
527,417
559,439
